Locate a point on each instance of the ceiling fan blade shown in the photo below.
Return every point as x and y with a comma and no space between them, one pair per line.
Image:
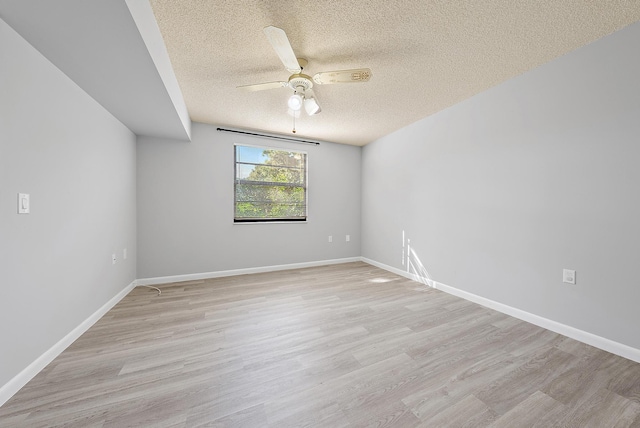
262,86
311,105
343,76
278,39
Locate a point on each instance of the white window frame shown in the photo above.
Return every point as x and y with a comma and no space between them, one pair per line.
271,220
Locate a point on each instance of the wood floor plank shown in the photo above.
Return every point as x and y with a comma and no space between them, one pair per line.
511,389
573,385
536,411
248,418
467,412
386,414
602,409
335,346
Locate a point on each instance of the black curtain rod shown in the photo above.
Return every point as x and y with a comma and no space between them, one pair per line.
295,140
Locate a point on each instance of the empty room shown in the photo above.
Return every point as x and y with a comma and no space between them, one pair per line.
319,214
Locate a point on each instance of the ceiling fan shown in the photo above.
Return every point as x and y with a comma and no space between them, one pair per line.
302,84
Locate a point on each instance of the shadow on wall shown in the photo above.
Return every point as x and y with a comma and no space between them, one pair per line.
414,266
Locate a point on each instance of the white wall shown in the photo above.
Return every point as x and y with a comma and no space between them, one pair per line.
185,207
78,164
501,192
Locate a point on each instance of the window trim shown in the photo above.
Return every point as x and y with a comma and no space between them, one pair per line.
279,220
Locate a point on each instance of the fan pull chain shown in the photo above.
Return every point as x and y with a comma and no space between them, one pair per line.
294,123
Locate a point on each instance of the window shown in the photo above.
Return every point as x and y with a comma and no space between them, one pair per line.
270,185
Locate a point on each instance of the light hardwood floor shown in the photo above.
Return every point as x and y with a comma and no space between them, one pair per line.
336,346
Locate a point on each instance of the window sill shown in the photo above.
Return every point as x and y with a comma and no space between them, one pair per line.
273,222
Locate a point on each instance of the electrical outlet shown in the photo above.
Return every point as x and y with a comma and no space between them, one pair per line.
569,276
348,238
330,238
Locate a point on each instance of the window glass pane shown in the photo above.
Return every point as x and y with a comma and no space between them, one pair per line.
270,184
270,174
243,171
262,193
249,154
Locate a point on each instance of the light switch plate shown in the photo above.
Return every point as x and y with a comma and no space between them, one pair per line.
23,203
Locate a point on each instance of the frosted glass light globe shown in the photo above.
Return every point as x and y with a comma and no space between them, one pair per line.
295,102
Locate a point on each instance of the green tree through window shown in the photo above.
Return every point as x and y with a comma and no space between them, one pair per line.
270,185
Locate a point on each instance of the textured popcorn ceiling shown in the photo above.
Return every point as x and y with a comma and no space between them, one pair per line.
425,55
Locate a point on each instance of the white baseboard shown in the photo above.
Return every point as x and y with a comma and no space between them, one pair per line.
234,272
574,333
10,388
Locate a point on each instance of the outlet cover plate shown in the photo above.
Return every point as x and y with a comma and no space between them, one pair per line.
569,276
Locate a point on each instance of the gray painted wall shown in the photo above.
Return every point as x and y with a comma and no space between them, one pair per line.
78,164
185,207
501,192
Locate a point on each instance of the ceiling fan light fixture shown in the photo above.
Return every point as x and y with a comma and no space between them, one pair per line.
295,102
301,83
311,106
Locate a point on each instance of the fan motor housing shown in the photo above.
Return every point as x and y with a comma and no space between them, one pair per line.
297,80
